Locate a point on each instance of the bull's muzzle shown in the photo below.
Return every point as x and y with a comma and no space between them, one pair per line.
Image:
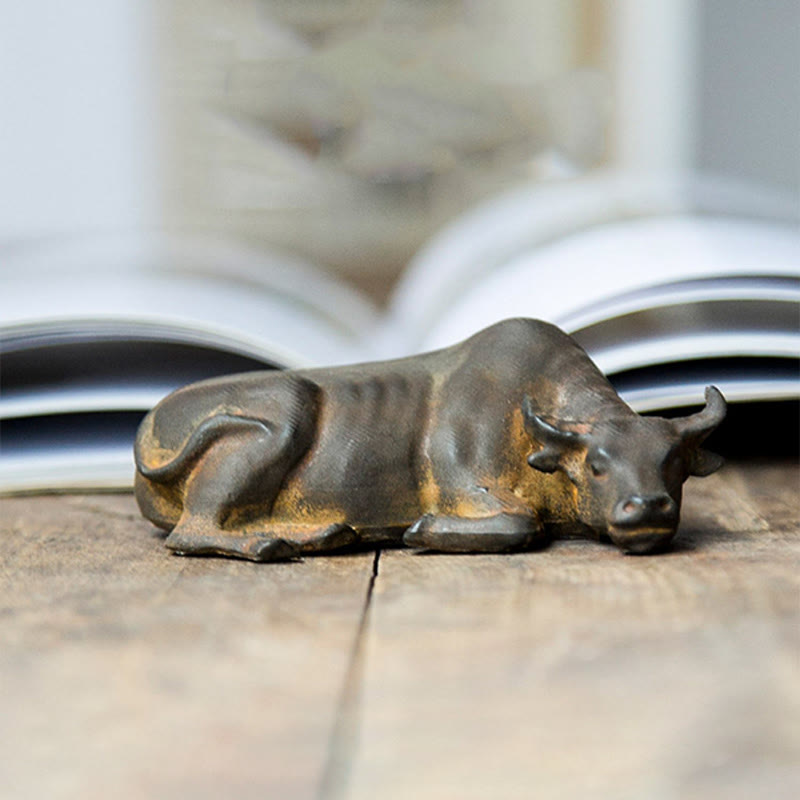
644,523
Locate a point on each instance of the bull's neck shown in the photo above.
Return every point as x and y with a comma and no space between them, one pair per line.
552,496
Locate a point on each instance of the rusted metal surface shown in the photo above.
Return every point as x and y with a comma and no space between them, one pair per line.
497,443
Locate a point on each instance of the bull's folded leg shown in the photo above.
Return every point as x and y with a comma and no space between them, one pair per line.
188,540
492,534
277,543
314,538
234,473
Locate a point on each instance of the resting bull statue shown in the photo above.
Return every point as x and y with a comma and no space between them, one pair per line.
493,444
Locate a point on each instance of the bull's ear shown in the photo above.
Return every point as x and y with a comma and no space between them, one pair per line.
704,462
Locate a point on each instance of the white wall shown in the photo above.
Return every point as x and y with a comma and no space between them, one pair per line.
749,92
652,54
78,117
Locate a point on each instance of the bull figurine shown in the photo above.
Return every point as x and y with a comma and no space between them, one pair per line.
493,444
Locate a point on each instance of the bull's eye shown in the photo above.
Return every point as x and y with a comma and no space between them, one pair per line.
598,462
597,470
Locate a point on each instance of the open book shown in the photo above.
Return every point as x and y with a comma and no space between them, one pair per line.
666,294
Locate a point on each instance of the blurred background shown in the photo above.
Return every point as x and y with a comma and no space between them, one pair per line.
348,132
198,188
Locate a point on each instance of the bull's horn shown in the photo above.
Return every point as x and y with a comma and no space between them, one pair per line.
698,426
548,434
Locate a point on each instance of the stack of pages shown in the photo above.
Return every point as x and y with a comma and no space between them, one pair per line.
666,299
95,333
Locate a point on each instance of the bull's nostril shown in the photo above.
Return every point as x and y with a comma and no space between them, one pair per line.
629,506
665,504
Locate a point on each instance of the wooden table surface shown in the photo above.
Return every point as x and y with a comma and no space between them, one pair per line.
572,672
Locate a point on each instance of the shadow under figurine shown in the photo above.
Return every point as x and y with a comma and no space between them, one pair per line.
494,444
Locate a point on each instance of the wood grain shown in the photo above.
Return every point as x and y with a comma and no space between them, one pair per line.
579,672
572,672
127,672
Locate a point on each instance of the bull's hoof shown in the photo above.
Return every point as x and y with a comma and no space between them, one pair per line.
493,534
330,537
252,548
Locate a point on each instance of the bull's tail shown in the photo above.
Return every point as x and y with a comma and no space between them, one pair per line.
198,442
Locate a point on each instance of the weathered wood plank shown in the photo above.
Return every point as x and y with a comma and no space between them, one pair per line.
571,672
127,672
579,672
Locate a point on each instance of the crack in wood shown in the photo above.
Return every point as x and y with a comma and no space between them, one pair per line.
344,734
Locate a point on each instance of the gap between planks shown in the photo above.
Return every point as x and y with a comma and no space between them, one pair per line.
344,734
